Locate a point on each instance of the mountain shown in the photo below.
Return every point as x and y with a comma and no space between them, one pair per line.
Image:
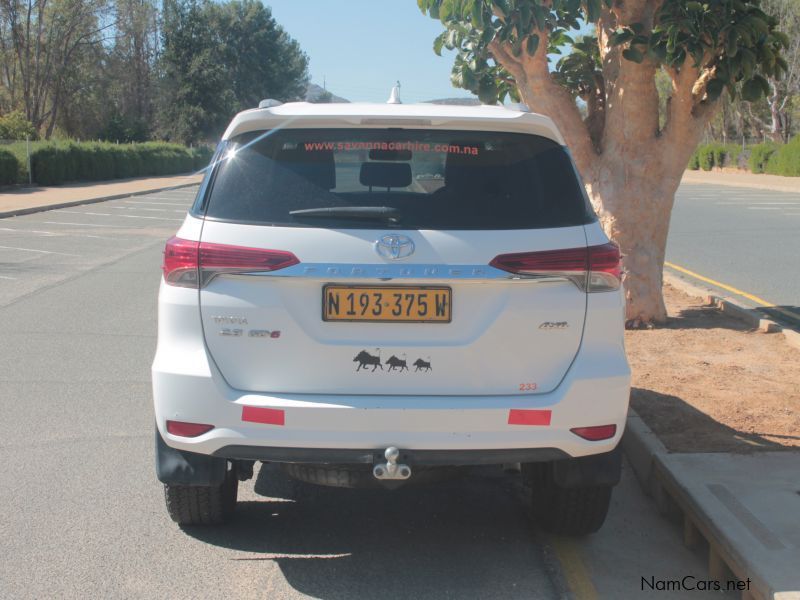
314,92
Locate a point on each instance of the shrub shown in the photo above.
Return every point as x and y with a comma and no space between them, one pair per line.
201,156
712,155
786,159
48,165
57,162
9,168
694,160
706,157
14,126
759,155
732,152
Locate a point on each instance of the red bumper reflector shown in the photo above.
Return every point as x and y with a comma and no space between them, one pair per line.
596,433
518,416
184,429
269,416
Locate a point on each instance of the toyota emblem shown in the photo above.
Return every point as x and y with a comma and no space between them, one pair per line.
394,247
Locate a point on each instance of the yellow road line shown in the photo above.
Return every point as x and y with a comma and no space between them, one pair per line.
789,313
575,573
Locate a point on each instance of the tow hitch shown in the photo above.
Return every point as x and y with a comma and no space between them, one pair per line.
390,469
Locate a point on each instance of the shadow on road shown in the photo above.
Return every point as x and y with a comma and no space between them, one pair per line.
788,316
456,539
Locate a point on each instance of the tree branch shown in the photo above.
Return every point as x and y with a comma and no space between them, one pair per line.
545,96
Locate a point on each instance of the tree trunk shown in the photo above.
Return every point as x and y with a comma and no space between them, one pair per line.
777,130
634,203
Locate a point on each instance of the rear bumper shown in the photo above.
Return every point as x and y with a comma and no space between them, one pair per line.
594,392
188,387
426,458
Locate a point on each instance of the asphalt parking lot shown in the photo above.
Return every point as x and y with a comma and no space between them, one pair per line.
83,512
745,238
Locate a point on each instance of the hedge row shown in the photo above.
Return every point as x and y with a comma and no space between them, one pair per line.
713,155
8,167
53,163
759,158
785,160
94,161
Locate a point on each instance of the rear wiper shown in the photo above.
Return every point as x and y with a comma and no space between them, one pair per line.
377,213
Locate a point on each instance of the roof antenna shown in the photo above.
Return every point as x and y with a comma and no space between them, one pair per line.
394,97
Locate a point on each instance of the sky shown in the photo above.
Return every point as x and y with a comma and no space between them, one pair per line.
360,48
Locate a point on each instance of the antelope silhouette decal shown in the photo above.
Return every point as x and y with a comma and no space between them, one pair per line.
422,365
365,359
396,363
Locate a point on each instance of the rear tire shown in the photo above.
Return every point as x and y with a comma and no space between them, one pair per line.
573,511
202,504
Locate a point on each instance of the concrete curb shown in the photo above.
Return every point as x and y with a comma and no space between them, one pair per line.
35,209
646,454
748,316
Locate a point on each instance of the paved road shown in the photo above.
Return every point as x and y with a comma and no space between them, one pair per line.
83,514
745,238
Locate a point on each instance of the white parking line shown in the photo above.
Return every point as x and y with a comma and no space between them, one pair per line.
157,203
40,251
57,234
174,210
4,277
763,208
84,224
94,214
143,208
178,198
48,233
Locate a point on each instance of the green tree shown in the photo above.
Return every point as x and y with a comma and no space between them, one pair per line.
42,42
194,96
221,58
130,69
262,60
630,162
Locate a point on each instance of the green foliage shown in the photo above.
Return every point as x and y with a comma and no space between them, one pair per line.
786,159
8,168
694,160
58,162
706,156
14,126
760,155
218,59
125,130
735,40
712,155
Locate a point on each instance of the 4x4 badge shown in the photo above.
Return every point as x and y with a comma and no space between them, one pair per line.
394,246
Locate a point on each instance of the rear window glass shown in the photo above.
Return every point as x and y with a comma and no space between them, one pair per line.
410,179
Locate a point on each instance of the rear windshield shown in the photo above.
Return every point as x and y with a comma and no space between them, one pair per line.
410,179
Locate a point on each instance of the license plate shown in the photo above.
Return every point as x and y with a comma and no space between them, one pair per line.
387,304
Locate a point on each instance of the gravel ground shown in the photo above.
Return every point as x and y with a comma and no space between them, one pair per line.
707,383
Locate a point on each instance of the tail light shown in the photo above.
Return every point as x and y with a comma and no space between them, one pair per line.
193,264
184,429
596,433
592,269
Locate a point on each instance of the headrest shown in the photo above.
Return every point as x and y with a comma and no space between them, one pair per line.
383,174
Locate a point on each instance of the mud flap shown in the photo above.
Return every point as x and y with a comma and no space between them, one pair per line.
178,467
598,469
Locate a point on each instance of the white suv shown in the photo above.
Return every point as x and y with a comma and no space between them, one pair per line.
366,293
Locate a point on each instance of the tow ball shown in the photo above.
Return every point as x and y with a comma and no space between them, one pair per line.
390,469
